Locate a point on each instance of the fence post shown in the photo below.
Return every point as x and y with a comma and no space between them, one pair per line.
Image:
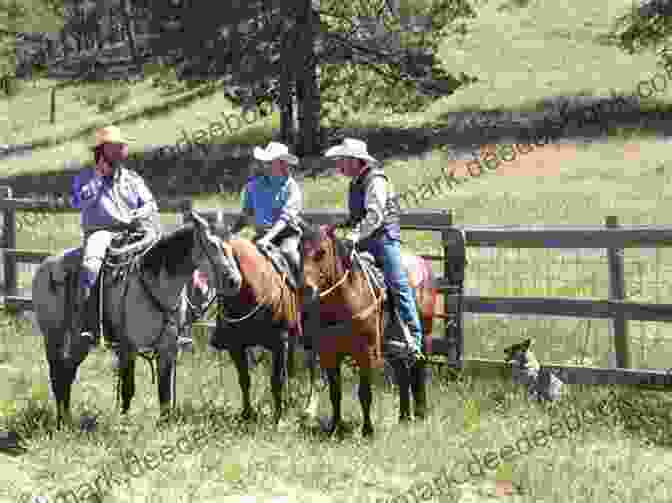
9,241
452,327
618,324
52,108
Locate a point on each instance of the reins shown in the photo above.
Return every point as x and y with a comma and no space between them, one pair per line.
270,302
377,302
168,312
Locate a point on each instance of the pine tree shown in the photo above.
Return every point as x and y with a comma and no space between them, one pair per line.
324,58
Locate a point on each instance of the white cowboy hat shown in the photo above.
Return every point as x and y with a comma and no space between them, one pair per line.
351,148
111,134
274,151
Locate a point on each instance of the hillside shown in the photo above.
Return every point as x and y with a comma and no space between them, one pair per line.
530,61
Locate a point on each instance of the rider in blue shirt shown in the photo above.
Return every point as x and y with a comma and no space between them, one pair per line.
275,201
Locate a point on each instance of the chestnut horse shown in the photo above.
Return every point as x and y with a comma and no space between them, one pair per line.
359,313
260,311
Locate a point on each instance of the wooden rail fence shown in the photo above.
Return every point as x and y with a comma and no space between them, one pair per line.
612,237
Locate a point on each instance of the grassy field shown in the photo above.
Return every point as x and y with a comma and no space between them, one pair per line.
524,56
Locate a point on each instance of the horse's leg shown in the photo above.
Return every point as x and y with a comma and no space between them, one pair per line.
166,371
365,399
239,357
335,393
402,374
314,396
63,370
127,380
419,388
279,375
291,354
62,374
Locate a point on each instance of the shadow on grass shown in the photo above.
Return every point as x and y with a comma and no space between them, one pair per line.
188,97
224,168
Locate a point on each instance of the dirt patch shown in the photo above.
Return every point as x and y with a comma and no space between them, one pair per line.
631,152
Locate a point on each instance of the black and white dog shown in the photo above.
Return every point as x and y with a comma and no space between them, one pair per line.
542,384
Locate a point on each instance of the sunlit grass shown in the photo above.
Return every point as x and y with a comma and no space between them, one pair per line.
522,56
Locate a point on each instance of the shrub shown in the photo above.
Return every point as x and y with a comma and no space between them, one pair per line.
10,85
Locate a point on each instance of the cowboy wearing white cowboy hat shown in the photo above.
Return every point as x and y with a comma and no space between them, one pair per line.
111,198
374,218
275,201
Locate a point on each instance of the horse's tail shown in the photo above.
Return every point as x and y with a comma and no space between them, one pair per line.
49,305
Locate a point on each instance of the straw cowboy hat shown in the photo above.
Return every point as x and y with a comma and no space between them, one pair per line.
351,148
274,151
110,134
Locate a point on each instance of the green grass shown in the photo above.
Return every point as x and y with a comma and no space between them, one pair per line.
70,138
474,415
523,55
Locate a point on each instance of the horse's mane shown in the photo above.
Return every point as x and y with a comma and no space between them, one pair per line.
264,283
314,235
170,251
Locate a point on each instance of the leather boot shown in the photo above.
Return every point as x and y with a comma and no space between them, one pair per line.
295,264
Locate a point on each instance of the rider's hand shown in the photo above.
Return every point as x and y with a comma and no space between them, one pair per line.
352,238
264,242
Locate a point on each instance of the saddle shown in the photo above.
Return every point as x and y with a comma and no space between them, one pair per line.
114,270
417,277
281,264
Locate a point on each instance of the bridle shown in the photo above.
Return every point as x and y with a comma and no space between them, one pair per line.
169,313
377,301
268,302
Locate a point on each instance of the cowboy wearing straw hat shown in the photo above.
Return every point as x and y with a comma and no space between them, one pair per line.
374,217
275,201
111,198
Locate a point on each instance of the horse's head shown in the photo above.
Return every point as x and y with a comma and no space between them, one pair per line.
217,253
322,259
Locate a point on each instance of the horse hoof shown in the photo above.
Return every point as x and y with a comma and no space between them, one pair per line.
404,419
339,430
164,420
367,431
332,428
283,425
420,415
248,415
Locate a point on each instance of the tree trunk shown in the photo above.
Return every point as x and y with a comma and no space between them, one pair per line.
130,30
286,101
309,104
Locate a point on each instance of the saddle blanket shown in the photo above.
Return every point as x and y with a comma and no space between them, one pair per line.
418,270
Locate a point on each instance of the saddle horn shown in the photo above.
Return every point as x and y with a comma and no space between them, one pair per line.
133,247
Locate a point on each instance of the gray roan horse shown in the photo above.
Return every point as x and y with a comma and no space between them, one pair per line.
139,306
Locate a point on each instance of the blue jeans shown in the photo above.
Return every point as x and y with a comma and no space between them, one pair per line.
387,253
